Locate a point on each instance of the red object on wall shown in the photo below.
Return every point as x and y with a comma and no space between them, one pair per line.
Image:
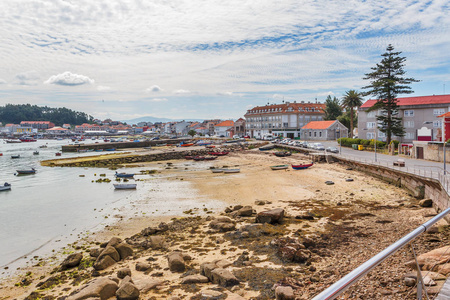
447,129
424,138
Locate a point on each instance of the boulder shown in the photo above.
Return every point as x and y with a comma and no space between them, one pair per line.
103,263
111,252
206,269
145,285
260,202
149,231
122,273
432,260
284,293
245,211
142,266
223,277
71,261
211,295
124,250
95,252
426,203
237,207
223,224
113,242
222,263
194,279
102,288
156,242
270,216
127,291
176,262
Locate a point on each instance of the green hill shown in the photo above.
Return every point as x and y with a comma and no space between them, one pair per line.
11,113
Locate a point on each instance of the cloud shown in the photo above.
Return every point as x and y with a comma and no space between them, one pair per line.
153,89
103,88
68,78
27,78
2,81
329,93
158,100
181,92
225,93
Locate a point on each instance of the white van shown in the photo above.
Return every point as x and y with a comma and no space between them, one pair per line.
268,137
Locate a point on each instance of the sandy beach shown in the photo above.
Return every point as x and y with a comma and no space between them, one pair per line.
338,226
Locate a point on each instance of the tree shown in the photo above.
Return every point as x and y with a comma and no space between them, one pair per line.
192,132
351,100
386,82
333,108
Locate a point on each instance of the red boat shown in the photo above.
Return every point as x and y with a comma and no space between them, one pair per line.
219,153
188,157
186,145
301,167
198,158
27,139
210,146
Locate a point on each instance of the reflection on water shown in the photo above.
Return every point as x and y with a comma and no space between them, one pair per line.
56,204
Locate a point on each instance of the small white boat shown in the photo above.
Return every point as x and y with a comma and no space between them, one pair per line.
26,172
217,170
231,171
124,186
5,187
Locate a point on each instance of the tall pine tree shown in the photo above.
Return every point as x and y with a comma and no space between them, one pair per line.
386,82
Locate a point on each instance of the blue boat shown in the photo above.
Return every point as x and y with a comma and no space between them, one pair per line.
124,175
111,149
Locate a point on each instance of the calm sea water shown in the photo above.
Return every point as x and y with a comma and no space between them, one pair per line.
47,210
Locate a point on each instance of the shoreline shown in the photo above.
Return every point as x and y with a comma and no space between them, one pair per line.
302,194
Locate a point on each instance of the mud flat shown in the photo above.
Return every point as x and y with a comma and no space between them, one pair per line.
283,232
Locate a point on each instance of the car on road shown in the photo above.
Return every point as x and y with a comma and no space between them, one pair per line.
332,150
318,146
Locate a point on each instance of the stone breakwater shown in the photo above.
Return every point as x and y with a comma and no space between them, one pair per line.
117,160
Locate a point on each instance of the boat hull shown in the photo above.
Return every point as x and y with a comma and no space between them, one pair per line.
280,167
301,167
231,171
123,186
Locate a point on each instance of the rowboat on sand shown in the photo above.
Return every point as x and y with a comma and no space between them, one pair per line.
5,187
227,171
301,166
217,170
125,186
279,167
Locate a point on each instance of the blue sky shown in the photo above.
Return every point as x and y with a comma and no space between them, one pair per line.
210,59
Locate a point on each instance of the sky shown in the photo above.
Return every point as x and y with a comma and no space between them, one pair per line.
206,59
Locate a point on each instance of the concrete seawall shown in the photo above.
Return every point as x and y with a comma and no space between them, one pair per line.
119,145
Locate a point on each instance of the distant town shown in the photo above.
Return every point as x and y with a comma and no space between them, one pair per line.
422,118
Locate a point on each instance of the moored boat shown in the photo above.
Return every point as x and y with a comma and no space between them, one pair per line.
124,186
110,149
43,146
279,167
124,175
282,153
35,152
219,153
198,158
231,171
210,157
27,139
98,150
188,157
58,153
266,148
217,170
5,187
13,141
15,156
186,145
26,172
301,166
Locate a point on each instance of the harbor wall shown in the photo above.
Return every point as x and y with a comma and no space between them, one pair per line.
119,145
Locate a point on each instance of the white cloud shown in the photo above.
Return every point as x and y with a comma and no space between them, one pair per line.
68,78
329,93
2,81
225,93
153,89
181,92
27,78
103,88
158,100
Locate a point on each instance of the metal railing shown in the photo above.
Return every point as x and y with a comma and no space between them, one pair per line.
348,280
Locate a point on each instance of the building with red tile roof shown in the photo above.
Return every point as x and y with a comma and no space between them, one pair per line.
323,130
221,129
284,119
419,115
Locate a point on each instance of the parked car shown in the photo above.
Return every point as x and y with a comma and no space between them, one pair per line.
319,146
332,150
246,136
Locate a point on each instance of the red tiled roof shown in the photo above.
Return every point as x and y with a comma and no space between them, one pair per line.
447,114
318,124
422,100
227,123
35,122
306,108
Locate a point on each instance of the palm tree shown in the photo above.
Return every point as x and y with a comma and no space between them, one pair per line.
352,99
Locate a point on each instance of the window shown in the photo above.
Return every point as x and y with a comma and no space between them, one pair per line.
370,135
285,124
371,124
409,124
409,113
409,135
381,134
437,124
310,133
315,133
438,111
320,133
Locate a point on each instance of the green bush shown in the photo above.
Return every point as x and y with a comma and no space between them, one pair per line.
348,142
